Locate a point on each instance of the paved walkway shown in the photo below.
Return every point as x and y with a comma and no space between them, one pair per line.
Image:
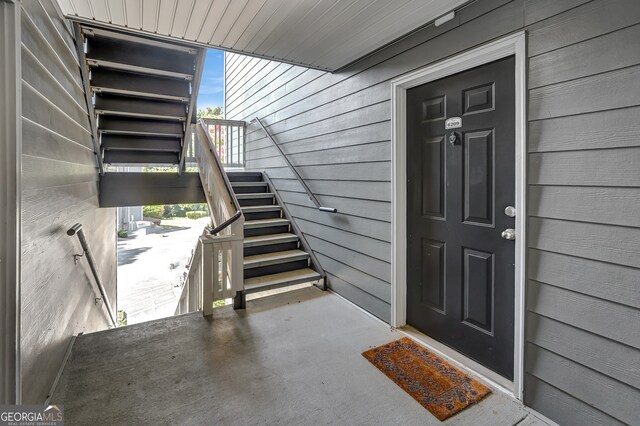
151,263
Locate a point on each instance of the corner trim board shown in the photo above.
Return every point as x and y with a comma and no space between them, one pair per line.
10,198
514,44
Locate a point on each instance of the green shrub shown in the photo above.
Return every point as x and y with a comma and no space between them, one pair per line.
123,233
152,211
197,214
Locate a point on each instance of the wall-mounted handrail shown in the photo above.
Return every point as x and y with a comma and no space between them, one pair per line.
77,230
203,133
312,197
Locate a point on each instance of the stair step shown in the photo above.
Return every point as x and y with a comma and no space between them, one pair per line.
260,260
282,279
265,240
258,209
240,184
253,196
265,223
245,176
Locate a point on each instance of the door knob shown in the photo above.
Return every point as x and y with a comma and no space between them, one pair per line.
509,234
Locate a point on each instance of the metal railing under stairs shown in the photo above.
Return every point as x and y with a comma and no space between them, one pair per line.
216,271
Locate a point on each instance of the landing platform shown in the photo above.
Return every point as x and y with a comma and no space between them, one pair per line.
290,358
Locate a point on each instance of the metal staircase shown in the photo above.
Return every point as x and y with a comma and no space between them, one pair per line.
275,255
141,95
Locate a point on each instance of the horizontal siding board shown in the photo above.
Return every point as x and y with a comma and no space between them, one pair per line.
375,132
615,89
607,167
38,141
619,284
612,206
46,173
39,80
593,56
61,42
327,108
363,226
597,316
562,407
537,10
38,204
610,358
379,171
369,250
616,128
377,307
34,42
39,110
378,191
595,389
613,244
364,282
371,152
590,20
362,208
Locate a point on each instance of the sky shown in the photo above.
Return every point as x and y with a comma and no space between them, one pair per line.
211,92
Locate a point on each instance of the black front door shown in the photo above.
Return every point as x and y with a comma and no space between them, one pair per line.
460,272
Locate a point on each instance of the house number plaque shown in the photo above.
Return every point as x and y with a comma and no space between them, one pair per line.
453,123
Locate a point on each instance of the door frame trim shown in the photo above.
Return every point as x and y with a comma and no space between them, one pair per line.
514,44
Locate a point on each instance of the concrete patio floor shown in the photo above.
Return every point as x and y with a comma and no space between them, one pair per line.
290,358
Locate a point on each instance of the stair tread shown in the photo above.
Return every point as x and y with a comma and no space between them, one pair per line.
266,259
254,195
265,223
267,282
265,208
240,183
269,239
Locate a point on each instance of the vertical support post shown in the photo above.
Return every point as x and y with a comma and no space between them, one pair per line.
10,187
208,277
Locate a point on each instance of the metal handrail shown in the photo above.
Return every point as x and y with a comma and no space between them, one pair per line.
77,230
236,205
312,197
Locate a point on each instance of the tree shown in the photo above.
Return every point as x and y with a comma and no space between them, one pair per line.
209,112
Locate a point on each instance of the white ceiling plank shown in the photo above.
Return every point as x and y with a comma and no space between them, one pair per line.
133,13
166,15
198,16
302,26
323,34
286,26
67,7
213,19
333,43
83,8
338,21
183,13
243,22
116,11
231,16
149,13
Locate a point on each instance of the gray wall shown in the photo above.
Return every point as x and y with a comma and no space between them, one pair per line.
583,293
59,188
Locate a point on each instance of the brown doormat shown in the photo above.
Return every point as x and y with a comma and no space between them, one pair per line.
438,386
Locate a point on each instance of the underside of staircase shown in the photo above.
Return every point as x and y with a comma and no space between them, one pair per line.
274,252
